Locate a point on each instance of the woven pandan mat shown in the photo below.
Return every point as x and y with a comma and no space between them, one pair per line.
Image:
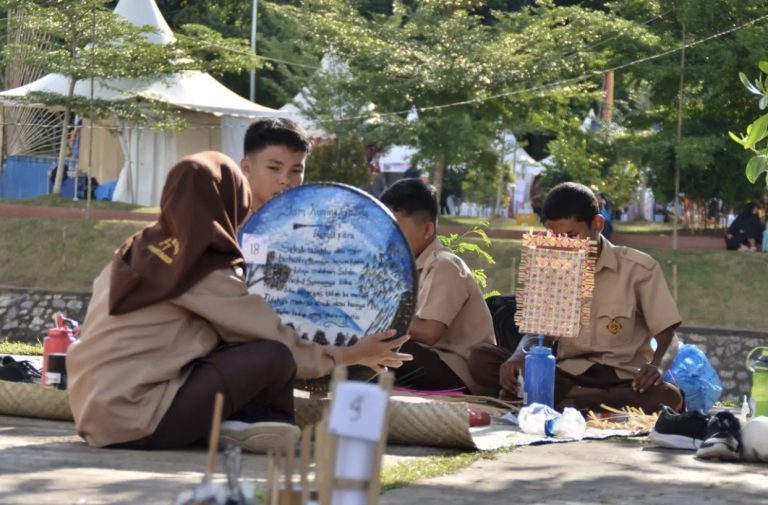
412,421
33,400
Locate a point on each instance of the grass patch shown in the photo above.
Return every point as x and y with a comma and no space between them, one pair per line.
58,254
640,227
61,202
716,288
20,348
404,473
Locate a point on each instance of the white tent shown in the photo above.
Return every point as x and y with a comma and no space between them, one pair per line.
142,155
397,158
525,170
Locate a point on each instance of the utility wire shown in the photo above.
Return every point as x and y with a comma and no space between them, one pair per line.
533,89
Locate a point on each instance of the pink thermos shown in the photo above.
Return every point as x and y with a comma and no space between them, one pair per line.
59,340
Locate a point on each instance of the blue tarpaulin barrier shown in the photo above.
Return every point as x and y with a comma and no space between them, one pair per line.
105,191
29,176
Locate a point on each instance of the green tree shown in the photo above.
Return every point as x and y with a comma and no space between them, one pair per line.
88,41
713,101
593,158
339,161
491,67
286,64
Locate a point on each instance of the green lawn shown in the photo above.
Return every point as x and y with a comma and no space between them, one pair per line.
20,348
716,288
509,224
58,254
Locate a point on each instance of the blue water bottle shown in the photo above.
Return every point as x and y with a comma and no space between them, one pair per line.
539,377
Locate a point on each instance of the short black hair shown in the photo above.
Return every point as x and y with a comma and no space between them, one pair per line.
411,197
276,131
570,200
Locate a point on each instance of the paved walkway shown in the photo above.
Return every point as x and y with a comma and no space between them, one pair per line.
44,462
615,472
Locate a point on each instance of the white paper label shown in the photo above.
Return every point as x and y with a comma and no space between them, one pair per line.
358,410
255,248
52,378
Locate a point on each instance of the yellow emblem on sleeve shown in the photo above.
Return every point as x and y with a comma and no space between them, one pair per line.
166,250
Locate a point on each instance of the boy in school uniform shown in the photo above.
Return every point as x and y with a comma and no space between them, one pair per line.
611,362
452,317
275,155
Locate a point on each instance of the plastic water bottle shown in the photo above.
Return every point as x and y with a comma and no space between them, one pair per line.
58,341
759,369
539,375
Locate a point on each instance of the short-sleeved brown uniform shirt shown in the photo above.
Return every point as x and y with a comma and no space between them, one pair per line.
448,293
631,304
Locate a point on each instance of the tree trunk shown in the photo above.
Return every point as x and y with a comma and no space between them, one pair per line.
63,143
439,174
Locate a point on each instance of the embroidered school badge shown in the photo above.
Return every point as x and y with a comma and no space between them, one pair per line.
556,279
614,327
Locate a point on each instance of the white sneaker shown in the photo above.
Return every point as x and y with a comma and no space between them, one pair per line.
258,438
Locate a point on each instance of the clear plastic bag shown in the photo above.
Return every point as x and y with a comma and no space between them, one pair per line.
538,419
533,418
570,424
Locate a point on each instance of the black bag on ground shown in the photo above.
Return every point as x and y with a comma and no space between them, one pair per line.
503,308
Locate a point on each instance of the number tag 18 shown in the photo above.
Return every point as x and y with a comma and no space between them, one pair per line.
255,248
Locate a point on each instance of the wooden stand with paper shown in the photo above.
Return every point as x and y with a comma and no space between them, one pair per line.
349,445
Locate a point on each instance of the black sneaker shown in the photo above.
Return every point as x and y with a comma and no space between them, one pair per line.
18,371
723,438
680,431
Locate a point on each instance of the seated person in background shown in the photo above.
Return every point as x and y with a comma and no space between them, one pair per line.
746,231
171,323
611,362
451,314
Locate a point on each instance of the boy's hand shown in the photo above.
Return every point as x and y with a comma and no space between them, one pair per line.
508,375
378,352
649,375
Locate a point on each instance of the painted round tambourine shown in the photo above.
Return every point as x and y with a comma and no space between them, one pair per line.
332,261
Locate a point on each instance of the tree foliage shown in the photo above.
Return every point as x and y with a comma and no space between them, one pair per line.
594,158
277,38
714,101
756,137
338,161
472,72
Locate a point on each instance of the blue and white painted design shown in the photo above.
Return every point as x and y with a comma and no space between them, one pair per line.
337,267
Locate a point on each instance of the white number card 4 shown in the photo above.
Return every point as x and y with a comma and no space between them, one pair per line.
358,410
255,248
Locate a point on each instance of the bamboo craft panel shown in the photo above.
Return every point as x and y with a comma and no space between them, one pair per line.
557,277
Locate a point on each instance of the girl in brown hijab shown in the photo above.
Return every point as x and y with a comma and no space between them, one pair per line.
171,323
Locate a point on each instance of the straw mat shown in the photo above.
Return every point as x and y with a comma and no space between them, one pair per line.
33,400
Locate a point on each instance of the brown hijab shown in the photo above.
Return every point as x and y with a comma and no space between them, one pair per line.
204,201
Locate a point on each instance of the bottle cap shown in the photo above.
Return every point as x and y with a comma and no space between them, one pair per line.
540,350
